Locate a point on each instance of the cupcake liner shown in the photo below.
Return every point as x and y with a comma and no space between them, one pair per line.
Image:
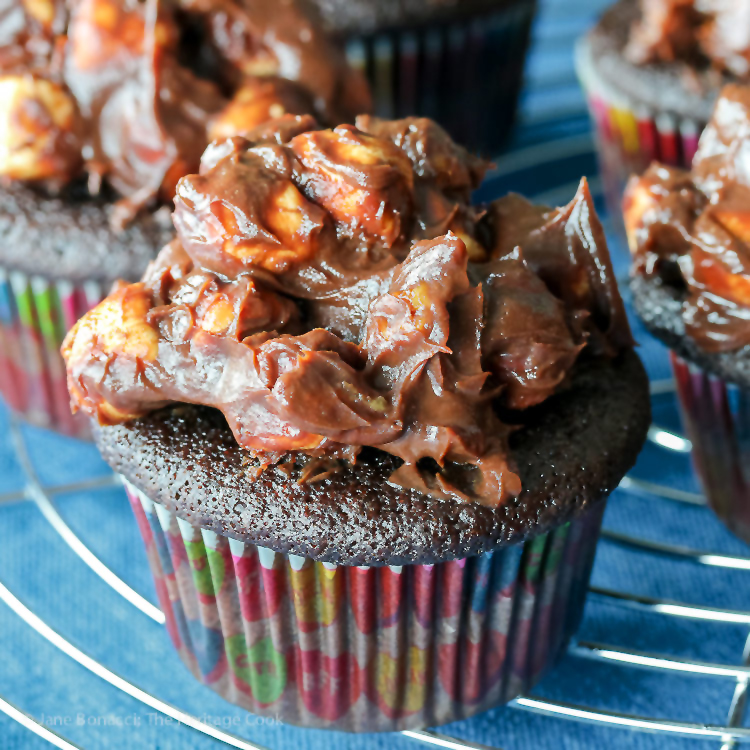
465,74
630,135
366,649
716,415
35,314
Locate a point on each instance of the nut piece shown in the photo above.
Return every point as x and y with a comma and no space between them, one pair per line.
477,254
420,302
103,32
240,210
118,326
639,199
364,182
37,129
737,222
42,11
289,217
255,103
219,315
705,271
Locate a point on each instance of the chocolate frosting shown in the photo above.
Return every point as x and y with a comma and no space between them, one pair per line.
715,32
334,289
130,92
691,230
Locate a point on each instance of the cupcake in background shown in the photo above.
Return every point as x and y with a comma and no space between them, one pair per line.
104,106
652,70
690,237
458,62
368,430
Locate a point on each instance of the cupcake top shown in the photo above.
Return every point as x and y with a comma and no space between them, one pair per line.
334,290
668,56
129,93
690,231
704,33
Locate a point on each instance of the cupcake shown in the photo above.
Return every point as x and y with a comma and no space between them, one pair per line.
105,105
652,70
460,63
690,237
367,429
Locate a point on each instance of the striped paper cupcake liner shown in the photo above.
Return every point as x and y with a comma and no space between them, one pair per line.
467,74
716,415
630,135
366,649
35,314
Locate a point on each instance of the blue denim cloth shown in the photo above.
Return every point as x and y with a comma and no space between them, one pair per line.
37,566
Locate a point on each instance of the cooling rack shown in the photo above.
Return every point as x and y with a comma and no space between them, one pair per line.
662,658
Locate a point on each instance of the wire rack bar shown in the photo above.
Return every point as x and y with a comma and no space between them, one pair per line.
13,497
37,493
669,440
712,559
523,158
440,740
30,723
674,608
612,718
662,387
661,491
655,662
95,667
559,195
739,699
85,485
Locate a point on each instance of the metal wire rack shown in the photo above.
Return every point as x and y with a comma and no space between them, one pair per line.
726,736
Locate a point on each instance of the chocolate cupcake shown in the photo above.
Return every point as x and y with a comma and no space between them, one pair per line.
105,105
367,429
690,237
460,63
652,70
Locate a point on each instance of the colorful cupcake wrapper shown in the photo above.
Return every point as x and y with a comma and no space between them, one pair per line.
35,314
630,135
366,649
716,415
467,75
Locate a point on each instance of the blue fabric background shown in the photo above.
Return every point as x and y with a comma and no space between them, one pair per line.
38,567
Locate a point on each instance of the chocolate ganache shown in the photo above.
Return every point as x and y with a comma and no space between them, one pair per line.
130,92
715,32
335,289
691,230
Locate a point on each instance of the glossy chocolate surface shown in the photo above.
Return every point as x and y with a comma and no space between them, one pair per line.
714,32
131,92
691,230
332,290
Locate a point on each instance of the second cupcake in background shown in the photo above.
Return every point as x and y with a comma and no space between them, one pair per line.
459,62
104,105
652,70
368,430
690,237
